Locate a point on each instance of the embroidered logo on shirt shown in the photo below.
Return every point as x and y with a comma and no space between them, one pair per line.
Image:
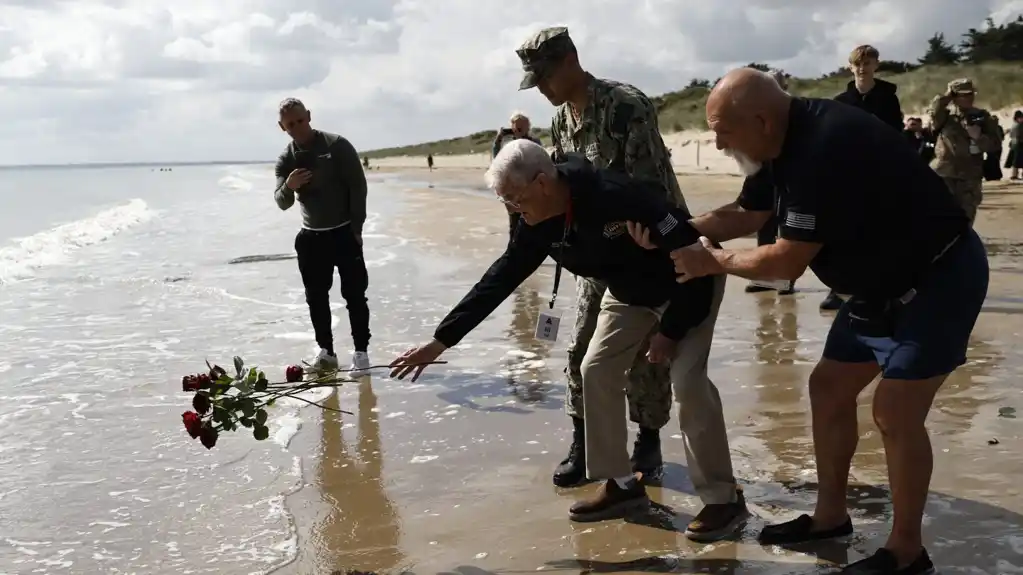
325,156
614,229
667,224
801,221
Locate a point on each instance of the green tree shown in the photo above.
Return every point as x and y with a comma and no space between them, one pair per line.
994,43
698,83
939,52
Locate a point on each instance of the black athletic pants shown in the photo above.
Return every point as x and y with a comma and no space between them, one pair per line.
319,253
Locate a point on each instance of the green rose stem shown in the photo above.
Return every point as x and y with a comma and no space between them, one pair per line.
275,391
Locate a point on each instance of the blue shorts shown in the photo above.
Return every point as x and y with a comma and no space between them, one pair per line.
932,332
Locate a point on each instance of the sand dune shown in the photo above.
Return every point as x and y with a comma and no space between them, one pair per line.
692,152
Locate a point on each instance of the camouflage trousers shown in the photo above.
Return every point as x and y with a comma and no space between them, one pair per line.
648,386
969,193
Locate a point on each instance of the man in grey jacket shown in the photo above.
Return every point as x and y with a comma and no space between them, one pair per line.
323,172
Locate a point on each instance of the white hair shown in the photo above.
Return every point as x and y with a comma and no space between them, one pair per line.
515,117
518,162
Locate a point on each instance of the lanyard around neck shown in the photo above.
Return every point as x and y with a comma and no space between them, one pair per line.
561,253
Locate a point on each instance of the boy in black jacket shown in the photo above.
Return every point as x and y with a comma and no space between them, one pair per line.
870,95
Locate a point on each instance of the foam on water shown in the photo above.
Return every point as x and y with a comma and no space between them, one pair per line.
235,183
89,328
53,246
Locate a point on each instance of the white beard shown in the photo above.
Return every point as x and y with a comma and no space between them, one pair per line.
747,166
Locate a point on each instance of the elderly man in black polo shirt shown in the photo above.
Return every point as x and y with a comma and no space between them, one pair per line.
576,214
890,237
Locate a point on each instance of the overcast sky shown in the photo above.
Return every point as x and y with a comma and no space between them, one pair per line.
148,80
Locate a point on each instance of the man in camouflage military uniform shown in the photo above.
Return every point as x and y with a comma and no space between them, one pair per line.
614,125
964,134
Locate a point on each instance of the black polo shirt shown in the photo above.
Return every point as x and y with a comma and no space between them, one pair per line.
847,181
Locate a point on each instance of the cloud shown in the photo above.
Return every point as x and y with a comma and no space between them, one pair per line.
136,80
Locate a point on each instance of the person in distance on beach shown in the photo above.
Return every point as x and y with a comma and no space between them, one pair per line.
963,135
518,127
323,173
614,125
892,237
574,212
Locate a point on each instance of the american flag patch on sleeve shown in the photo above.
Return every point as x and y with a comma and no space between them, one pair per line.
801,221
667,224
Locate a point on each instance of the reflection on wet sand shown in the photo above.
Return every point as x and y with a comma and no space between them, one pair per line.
362,529
779,385
527,366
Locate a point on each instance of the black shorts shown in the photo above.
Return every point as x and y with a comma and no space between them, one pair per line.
932,332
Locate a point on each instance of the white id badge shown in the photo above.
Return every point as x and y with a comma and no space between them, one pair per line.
547,326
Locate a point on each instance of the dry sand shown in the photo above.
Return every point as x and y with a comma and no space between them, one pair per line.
692,152
452,475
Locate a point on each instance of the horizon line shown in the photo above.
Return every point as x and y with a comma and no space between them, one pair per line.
145,164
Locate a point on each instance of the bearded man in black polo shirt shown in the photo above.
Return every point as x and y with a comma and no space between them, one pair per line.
893,239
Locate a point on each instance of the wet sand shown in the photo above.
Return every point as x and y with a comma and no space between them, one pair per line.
452,474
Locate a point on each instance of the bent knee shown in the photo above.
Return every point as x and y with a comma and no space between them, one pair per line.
596,367
316,295
834,383
902,406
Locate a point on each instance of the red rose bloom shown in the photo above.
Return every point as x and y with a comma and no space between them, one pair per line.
204,381
201,403
208,437
190,383
193,423
294,373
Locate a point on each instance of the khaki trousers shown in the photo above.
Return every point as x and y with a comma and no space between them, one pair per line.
621,331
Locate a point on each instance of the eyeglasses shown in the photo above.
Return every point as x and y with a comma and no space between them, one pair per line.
508,202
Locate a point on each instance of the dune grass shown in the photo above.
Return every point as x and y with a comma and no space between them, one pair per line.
999,85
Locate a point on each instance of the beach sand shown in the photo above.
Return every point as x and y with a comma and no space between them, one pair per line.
452,474
692,153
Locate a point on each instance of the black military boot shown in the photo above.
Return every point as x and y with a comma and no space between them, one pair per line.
646,454
572,470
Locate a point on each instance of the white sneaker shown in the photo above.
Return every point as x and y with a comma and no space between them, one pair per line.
360,364
324,361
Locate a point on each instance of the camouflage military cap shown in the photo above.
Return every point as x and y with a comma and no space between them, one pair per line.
542,52
961,86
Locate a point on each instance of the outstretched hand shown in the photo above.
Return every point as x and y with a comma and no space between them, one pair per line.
640,234
415,360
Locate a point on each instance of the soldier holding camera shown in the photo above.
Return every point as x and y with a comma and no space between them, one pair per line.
519,128
964,134
323,173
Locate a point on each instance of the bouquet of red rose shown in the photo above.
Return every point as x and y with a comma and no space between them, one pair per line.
223,402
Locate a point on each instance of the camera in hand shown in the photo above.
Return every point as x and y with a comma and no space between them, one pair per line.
975,118
305,160
506,132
